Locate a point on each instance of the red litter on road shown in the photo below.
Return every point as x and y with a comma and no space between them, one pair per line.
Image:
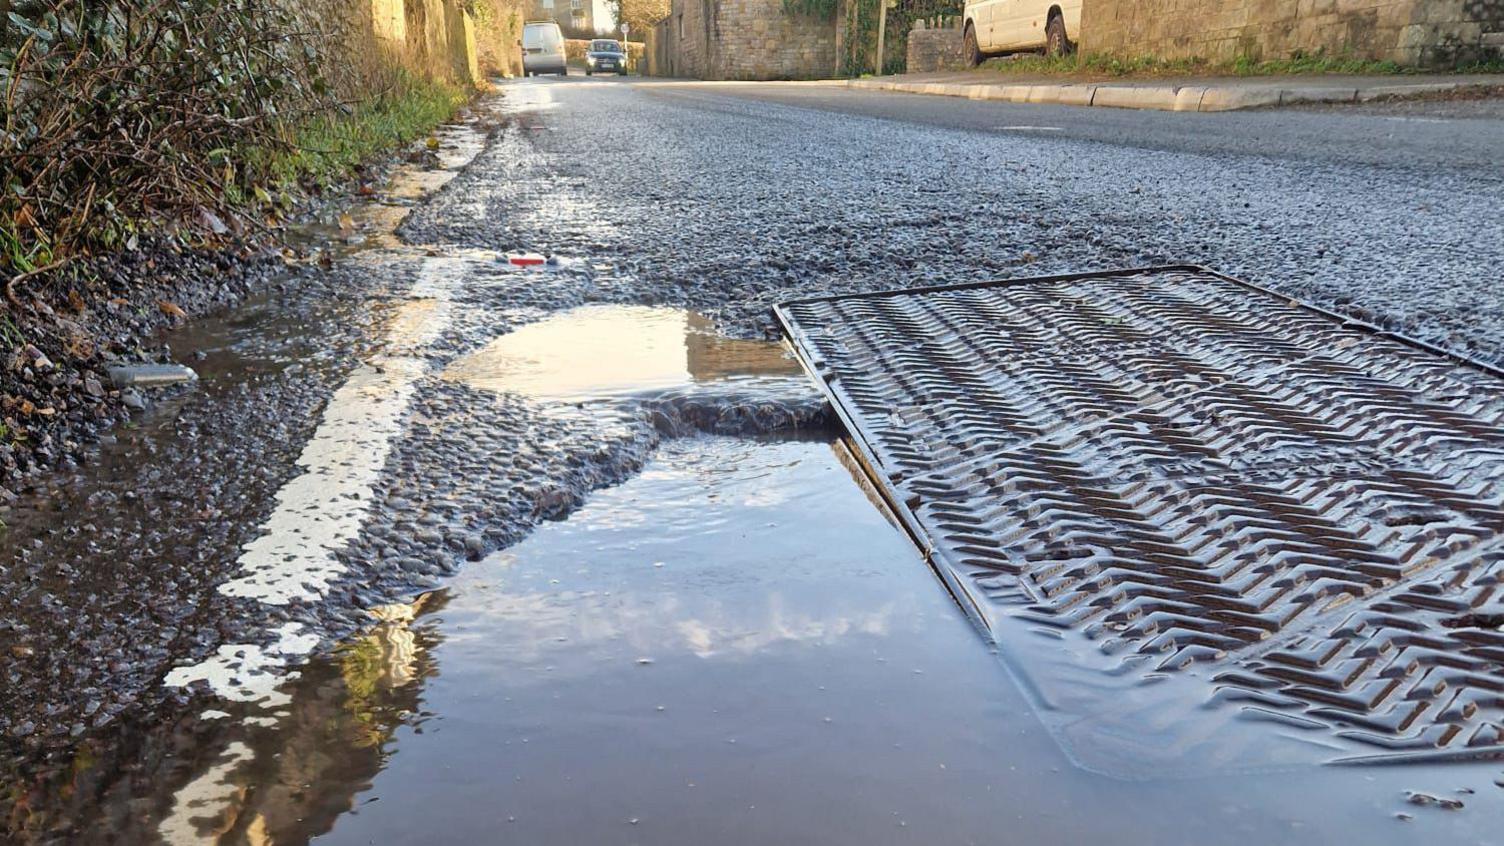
526,259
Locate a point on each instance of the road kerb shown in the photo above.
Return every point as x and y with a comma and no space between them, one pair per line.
1341,94
1063,95
1228,99
1382,91
1160,97
1180,98
1008,93
1188,98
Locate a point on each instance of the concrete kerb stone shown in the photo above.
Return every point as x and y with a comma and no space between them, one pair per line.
1290,96
1064,95
1186,98
1381,91
1134,97
1008,93
1228,99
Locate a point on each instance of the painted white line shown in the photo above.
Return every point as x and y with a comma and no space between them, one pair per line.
1028,128
322,509
244,672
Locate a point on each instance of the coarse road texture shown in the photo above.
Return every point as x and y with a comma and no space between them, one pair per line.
1202,479
731,197
350,442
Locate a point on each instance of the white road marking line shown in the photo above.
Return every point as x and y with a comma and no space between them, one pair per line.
322,509
1410,119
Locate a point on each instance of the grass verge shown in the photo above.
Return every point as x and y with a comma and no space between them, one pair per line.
326,149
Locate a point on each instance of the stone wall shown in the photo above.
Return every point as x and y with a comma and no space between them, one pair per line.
434,37
498,29
1411,32
740,39
934,49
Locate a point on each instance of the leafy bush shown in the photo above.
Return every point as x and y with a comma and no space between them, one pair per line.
119,114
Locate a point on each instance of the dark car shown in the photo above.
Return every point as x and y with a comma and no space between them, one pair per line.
605,56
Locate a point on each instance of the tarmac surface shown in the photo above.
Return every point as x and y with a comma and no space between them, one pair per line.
353,441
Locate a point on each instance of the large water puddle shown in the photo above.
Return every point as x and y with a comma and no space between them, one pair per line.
734,647
606,351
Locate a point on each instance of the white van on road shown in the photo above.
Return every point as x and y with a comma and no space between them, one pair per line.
543,49
1006,26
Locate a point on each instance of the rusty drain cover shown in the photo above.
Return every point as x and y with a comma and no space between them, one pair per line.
1209,527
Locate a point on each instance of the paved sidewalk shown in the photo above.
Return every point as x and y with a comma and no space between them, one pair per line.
1207,94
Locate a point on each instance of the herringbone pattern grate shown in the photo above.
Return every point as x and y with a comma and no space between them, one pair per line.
1152,476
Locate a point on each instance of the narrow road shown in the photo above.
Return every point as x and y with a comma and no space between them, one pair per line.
572,554
1453,135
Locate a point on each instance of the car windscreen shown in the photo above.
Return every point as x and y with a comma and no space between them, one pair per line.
605,47
540,35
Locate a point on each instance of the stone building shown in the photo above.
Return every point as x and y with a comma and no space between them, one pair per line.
574,16
1411,32
740,39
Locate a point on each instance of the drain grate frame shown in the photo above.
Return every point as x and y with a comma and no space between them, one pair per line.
1331,662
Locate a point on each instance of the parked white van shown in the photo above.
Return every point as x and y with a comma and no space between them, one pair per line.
543,49
1005,26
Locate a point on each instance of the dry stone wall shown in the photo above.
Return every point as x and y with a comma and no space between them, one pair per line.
740,39
1411,32
934,50
434,37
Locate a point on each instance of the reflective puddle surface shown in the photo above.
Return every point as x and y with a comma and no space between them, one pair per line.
603,351
733,647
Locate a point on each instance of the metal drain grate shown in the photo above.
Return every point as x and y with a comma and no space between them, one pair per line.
1209,527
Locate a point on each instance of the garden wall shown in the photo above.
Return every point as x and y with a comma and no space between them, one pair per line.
1410,32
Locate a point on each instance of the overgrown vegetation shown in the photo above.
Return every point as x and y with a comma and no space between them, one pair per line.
122,116
324,148
1150,66
639,15
859,49
823,9
498,28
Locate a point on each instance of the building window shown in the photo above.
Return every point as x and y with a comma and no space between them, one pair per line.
548,5
681,24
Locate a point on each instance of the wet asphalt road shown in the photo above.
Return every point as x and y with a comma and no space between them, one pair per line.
1451,135
327,465
733,196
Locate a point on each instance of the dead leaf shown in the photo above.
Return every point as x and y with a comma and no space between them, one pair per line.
24,218
75,300
346,222
171,310
26,407
212,221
